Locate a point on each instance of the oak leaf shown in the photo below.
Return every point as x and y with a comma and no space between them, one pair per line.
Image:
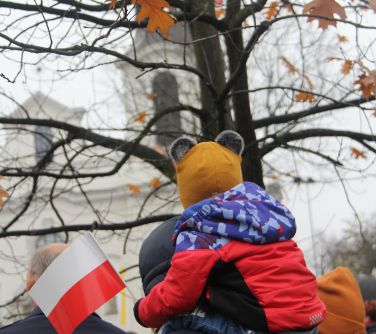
290,67
289,7
151,96
134,188
357,153
294,70
308,80
305,97
272,10
342,39
3,194
113,4
347,65
367,84
155,182
325,8
141,117
219,12
157,17
372,4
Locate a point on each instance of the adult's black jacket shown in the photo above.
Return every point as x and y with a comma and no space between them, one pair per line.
37,323
156,253
155,259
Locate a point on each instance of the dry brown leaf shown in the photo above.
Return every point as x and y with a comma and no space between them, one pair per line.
154,11
290,67
219,12
141,117
308,80
272,10
151,96
305,97
333,58
325,8
134,188
347,67
372,4
357,153
289,7
3,194
367,84
112,4
157,17
374,113
155,182
342,39
294,70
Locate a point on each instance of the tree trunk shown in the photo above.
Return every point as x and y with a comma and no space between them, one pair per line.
210,61
251,164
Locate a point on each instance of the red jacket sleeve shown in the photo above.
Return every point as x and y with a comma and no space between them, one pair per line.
180,290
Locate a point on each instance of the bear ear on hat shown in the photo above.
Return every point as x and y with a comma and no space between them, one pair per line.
231,140
180,147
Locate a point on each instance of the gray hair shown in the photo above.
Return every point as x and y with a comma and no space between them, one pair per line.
42,258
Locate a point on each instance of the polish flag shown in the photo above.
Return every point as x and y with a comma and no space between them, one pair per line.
75,284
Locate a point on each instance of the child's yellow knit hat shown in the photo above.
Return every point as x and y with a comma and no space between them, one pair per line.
209,168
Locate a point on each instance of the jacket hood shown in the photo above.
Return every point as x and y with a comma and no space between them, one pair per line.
246,213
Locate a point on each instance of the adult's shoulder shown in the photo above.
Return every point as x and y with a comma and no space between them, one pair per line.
161,232
35,323
159,239
95,324
156,253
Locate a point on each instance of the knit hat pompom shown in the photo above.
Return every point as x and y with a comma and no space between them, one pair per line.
209,168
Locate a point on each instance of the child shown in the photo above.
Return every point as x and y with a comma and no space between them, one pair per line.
233,252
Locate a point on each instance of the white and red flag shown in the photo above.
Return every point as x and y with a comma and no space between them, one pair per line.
75,284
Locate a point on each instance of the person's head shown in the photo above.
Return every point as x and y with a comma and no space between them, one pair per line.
367,285
42,258
341,295
207,169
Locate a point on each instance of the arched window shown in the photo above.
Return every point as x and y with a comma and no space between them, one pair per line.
43,141
166,92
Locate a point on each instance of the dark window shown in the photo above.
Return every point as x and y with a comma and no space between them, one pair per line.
165,89
43,142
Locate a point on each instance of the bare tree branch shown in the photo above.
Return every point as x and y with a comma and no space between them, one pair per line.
287,137
87,227
282,119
